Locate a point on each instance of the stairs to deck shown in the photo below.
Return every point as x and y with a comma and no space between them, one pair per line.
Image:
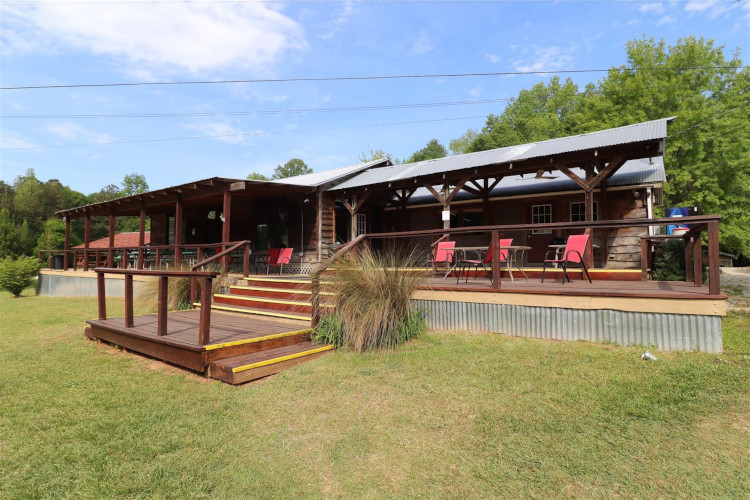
267,297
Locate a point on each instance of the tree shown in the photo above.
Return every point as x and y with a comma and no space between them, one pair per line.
375,154
257,176
53,235
292,168
432,150
108,192
30,200
25,240
8,234
17,275
133,184
460,145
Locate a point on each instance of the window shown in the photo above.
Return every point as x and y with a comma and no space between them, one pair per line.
541,214
361,224
578,211
475,218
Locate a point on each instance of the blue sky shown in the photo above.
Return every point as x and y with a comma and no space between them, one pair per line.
83,41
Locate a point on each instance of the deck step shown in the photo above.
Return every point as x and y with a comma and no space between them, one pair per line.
240,369
256,311
281,305
298,283
277,293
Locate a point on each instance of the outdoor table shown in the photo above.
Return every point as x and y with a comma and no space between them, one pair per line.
516,253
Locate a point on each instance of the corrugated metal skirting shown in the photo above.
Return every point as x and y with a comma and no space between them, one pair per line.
671,332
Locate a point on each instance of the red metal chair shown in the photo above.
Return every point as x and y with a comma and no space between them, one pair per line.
277,257
465,263
573,253
443,255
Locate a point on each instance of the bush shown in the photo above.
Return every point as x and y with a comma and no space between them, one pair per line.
373,301
669,264
16,275
330,330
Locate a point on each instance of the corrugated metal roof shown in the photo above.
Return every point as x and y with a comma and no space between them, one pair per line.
632,173
319,178
639,132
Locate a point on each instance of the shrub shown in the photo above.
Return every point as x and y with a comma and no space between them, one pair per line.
178,289
330,330
373,300
669,264
18,274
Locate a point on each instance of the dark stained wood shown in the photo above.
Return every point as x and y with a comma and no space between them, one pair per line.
101,296
66,255
607,171
161,305
86,240
246,261
496,259
128,300
582,183
697,262
645,260
204,326
714,273
193,292
688,260
141,236
226,228
157,272
178,215
110,253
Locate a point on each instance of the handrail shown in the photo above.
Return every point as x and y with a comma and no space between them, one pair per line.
245,243
204,324
442,238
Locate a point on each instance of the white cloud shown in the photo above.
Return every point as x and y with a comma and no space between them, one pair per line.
711,8
421,44
657,7
157,38
633,22
664,20
72,131
220,131
493,58
340,18
475,92
13,140
548,58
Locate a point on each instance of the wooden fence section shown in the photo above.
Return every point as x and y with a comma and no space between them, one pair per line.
206,278
693,239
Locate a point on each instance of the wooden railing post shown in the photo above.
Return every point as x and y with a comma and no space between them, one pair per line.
124,260
128,301
495,259
204,326
157,262
161,312
246,261
645,264
688,259
315,299
193,292
714,271
85,259
101,296
697,261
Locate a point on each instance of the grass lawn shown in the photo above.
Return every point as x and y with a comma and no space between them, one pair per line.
449,415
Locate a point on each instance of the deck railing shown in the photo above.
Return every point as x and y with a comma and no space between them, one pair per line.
163,276
693,249
146,256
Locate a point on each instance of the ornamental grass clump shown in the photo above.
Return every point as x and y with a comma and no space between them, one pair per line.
18,274
373,300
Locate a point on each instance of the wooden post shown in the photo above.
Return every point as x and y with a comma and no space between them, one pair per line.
101,298
495,259
86,240
714,271
697,261
161,314
353,219
226,233
51,263
315,300
604,215
588,254
198,254
246,260
67,243
688,260
111,253
204,327
178,212
157,257
446,206
193,292
128,301
645,247
141,237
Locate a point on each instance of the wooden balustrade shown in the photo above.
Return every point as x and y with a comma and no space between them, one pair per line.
163,276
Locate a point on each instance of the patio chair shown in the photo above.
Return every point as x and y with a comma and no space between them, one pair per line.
443,255
277,257
466,263
573,253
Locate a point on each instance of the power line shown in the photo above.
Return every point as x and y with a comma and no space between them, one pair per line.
711,118
370,77
224,136
89,2
268,112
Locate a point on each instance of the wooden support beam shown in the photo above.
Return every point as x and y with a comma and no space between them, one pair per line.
226,228
456,189
204,326
111,253
437,195
714,272
562,168
689,259
645,264
66,255
697,262
86,240
495,259
161,306
128,301
607,171
101,296
141,236
178,214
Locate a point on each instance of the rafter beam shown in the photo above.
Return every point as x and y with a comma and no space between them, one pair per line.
574,177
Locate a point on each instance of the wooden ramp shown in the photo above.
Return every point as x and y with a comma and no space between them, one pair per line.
242,347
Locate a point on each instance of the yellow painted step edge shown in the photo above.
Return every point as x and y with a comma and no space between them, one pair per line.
282,280
278,290
259,313
269,301
211,347
281,359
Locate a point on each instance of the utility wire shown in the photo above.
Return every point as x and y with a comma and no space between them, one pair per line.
243,134
88,2
711,118
369,77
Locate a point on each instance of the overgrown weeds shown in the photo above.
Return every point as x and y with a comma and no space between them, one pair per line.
373,301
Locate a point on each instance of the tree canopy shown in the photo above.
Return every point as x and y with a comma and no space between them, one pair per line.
293,167
432,150
257,176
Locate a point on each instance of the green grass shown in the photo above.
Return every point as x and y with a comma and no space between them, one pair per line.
449,415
